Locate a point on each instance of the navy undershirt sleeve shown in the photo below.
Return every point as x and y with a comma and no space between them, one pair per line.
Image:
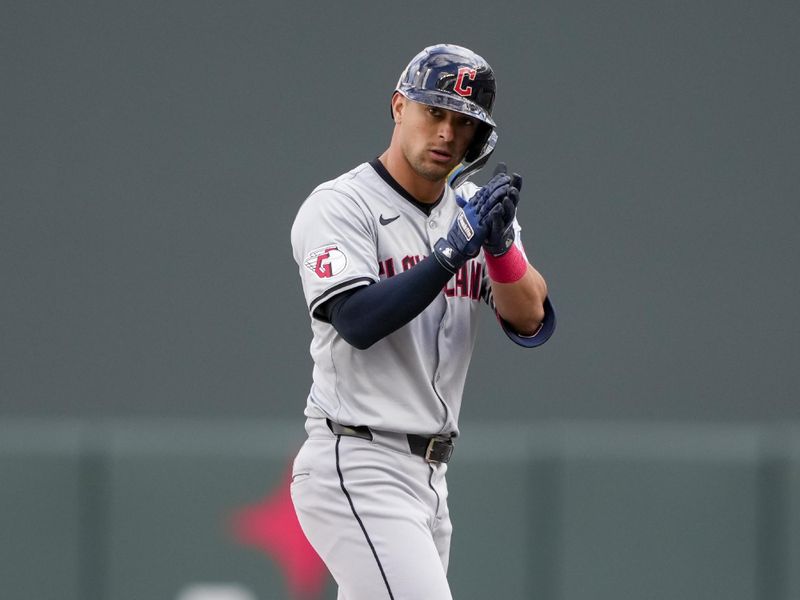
369,313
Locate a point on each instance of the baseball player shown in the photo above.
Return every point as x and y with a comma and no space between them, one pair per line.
396,256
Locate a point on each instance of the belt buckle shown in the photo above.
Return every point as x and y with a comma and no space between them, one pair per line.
439,450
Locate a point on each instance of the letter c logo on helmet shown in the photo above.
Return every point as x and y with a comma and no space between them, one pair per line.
459,88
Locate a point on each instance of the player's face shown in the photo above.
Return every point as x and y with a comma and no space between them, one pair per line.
434,140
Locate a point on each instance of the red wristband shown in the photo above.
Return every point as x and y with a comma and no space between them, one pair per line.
508,268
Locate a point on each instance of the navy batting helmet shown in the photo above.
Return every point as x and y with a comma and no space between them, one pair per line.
457,79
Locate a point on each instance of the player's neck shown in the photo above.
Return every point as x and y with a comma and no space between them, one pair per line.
422,189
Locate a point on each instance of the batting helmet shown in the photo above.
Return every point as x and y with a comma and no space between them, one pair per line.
457,79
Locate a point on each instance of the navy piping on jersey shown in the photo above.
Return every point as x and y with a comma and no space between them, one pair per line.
360,522
384,174
332,291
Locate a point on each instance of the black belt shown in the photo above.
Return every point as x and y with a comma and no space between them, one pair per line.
432,449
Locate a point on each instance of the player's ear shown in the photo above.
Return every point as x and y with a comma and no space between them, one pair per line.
398,105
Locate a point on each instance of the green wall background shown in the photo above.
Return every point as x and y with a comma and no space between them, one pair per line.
136,509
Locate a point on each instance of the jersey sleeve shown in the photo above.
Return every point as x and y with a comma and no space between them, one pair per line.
334,246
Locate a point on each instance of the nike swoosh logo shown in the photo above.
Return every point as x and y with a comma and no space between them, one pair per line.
387,221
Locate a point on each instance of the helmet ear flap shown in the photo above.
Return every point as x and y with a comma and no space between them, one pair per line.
482,133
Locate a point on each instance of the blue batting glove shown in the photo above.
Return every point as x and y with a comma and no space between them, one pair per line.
500,219
470,227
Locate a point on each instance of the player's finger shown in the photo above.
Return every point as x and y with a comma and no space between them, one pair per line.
499,177
495,182
483,208
513,195
460,201
516,180
497,195
509,209
494,217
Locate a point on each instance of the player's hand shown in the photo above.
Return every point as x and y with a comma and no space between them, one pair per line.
486,198
501,220
471,225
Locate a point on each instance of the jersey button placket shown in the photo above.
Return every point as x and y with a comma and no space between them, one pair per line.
433,226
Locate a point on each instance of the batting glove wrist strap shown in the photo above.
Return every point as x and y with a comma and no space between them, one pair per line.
464,239
508,268
450,258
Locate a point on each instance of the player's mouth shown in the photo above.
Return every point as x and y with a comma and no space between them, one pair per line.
440,155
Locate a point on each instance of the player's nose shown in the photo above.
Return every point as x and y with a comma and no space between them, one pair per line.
447,130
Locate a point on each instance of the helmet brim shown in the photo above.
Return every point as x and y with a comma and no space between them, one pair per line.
449,102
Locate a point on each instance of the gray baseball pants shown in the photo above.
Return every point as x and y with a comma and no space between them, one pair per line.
375,513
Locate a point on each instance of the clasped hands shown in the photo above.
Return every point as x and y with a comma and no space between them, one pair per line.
486,219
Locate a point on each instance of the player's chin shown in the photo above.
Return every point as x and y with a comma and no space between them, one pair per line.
435,170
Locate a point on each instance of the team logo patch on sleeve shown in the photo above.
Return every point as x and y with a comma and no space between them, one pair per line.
326,261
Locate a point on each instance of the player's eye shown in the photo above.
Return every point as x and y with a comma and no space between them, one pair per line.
434,112
467,122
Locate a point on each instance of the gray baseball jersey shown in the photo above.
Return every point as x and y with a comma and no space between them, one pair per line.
356,230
